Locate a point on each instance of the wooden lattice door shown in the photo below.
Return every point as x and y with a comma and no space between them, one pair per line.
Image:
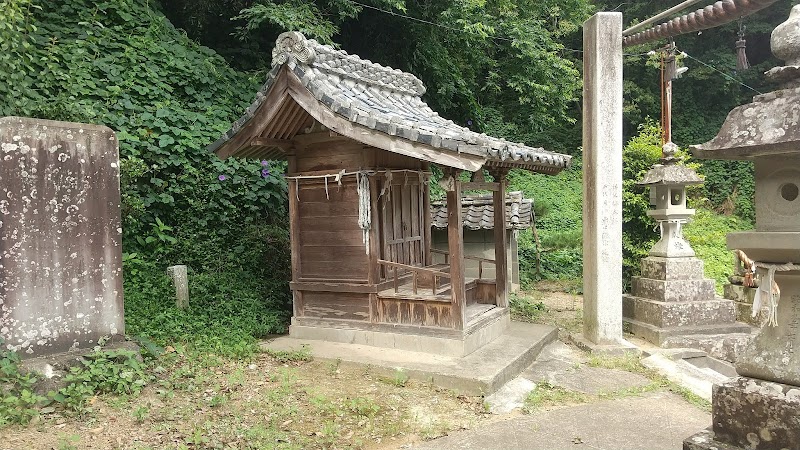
403,215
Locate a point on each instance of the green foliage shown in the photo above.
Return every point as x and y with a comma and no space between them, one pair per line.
558,210
118,372
730,187
122,64
227,311
706,234
638,156
19,402
522,308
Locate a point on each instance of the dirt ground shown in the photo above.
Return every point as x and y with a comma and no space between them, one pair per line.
259,404
213,403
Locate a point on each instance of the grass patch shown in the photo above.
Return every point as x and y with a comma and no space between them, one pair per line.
291,356
631,362
547,395
526,308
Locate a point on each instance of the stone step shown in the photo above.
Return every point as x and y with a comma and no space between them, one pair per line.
726,347
659,336
675,314
673,290
660,268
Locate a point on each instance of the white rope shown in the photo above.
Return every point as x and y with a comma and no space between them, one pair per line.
364,208
342,173
769,289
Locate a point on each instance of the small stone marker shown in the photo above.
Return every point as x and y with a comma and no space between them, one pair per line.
180,279
60,236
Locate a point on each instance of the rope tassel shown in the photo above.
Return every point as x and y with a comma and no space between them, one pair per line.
364,208
741,55
741,50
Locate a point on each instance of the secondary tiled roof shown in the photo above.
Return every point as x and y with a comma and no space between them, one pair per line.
387,101
478,212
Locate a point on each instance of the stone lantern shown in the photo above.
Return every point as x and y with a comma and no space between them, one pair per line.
760,410
672,304
667,184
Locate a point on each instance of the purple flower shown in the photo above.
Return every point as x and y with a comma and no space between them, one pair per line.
222,177
469,122
265,163
265,173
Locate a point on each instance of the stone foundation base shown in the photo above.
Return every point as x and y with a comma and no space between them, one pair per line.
673,304
751,414
418,339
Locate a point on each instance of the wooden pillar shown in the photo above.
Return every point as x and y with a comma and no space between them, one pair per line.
500,246
294,235
455,239
374,248
426,198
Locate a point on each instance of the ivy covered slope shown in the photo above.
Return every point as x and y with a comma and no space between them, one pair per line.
122,64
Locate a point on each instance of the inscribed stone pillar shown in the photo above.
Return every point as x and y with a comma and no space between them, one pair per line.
60,243
602,179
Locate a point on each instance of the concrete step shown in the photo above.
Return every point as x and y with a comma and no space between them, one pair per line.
673,290
676,314
481,372
659,336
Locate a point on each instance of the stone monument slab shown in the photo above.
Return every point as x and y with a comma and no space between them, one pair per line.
60,235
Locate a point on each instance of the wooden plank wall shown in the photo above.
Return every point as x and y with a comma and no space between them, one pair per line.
330,241
421,313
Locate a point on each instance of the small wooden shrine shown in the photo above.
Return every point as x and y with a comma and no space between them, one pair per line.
479,236
360,142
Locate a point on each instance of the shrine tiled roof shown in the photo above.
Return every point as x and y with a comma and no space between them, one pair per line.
387,101
478,212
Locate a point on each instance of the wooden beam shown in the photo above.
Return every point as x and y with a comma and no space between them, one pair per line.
318,137
500,247
479,186
455,238
333,287
283,144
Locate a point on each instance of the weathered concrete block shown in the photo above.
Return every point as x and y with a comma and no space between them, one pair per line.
675,314
775,352
662,336
659,268
60,235
673,290
756,414
726,347
739,293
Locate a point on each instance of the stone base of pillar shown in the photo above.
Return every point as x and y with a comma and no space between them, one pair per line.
742,297
673,305
751,414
